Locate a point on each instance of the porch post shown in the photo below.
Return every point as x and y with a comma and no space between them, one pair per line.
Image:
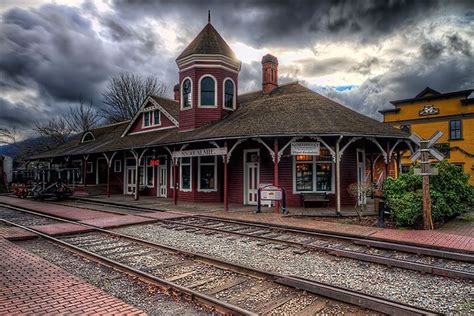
275,170
338,177
371,168
175,181
387,163
137,178
226,198
84,169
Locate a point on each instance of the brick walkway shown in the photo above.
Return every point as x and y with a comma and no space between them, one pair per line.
32,285
441,239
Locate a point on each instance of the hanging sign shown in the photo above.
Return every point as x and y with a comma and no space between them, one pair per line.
154,162
305,148
200,152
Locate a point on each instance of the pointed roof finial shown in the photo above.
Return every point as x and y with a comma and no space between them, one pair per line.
208,16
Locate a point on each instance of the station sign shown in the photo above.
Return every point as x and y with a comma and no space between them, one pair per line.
200,152
154,162
305,148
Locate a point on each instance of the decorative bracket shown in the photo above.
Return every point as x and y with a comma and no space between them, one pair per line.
272,153
237,143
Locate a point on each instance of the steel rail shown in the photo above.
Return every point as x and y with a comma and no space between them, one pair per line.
445,254
429,251
200,298
399,263
333,292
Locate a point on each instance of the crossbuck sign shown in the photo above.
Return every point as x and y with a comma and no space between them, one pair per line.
425,150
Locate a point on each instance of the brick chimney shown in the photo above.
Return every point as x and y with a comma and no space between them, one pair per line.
176,92
269,73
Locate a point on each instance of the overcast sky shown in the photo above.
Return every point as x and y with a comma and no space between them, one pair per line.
360,53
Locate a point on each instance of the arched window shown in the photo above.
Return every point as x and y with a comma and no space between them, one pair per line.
208,92
186,94
229,94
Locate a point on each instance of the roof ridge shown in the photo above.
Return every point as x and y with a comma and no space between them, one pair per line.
281,85
107,125
169,99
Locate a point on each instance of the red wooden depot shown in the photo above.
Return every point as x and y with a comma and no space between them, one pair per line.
210,144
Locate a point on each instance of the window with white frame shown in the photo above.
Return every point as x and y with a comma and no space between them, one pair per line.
207,173
185,173
149,172
78,170
313,173
172,174
146,119
90,167
151,118
229,94
186,95
117,166
208,91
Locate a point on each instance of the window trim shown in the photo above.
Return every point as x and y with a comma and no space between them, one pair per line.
215,92
151,119
234,99
215,174
181,94
91,169
145,173
190,164
83,139
314,162
460,129
119,169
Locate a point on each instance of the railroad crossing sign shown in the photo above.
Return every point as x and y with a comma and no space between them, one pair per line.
423,153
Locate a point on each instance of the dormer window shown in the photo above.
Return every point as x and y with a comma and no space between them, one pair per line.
229,94
186,97
87,137
207,92
151,118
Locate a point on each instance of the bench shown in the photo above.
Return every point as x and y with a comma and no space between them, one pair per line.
314,198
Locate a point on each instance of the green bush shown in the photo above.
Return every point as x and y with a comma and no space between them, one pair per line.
451,195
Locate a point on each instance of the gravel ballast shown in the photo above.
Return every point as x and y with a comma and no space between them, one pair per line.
441,294
24,218
135,293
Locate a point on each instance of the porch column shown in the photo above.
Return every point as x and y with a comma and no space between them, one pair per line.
371,168
275,170
338,177
137,179
84,169
109,165
387,162
175,181
226,198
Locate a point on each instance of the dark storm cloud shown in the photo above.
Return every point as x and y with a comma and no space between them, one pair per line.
17,114
459,45
432,50
288,23
405,81
54,49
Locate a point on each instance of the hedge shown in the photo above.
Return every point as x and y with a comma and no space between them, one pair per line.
451,195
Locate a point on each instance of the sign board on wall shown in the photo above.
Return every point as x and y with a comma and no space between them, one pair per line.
305,148
200,152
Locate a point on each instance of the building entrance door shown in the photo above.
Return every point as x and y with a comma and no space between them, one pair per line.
361,197
131,180
251,176
162,183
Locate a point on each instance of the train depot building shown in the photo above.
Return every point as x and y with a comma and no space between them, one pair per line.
212,145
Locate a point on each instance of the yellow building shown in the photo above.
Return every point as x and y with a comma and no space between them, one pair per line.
431,111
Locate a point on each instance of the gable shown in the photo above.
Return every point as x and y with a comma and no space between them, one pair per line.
150,117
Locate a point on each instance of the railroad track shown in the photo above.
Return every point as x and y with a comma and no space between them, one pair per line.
412,258
220,285
425,260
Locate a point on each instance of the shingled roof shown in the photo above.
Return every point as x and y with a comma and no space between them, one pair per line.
208,41
290,109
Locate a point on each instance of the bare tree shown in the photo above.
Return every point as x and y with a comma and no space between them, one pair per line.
8,136
82,117
53,133
125,94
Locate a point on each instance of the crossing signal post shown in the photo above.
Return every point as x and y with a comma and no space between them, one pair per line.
424,153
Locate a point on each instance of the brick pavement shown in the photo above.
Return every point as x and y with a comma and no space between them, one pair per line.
15,233
119,220
66,212
439,239
32,285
